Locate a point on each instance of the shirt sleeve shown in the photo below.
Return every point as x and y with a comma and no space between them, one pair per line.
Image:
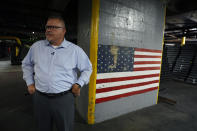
85,67
28,68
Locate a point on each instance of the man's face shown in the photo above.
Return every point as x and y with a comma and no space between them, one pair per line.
55,30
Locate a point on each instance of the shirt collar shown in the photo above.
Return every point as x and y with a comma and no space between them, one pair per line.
64,44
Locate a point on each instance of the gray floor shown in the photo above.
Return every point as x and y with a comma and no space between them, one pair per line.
16,108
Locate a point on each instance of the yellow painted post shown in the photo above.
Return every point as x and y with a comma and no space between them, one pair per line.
162,50
93,59
183,41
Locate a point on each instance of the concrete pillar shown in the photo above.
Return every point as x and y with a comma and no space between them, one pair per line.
83,40
124,42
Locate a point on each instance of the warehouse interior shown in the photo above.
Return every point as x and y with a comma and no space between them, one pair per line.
176,108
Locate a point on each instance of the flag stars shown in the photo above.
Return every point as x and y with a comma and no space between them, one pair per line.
106,59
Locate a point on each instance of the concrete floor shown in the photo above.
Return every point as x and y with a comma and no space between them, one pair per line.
16,108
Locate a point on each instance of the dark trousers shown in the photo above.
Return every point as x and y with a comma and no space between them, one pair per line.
59,110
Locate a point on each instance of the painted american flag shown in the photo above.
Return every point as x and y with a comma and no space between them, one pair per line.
126,71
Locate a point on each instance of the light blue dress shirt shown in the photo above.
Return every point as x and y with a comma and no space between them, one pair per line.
55,70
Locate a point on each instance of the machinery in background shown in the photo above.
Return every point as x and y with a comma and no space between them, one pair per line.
13,47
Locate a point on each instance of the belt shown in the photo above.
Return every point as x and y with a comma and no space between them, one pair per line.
53,94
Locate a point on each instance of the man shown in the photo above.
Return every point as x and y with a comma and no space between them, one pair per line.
50,71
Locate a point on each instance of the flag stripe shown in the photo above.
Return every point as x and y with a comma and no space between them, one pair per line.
107,80
147,65
147,53
100,100
125,74
119,83
147,59
146,56
146,68
147,62
147,50
125,86
122,91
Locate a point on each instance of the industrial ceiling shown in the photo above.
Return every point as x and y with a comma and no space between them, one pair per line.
181,20
24,18
29,16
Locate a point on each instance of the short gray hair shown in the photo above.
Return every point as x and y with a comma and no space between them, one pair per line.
59,17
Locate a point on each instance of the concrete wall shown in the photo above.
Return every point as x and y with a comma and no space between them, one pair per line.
83,40
131,23
127,24
111,109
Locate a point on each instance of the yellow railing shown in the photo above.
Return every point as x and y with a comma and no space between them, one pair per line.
18,41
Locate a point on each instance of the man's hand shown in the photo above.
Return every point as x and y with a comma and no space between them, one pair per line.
31,89
76,90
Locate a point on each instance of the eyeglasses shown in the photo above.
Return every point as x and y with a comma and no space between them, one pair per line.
49,27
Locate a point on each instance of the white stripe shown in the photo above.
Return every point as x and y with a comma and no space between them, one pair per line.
147,53
119,83
147,65
126,74
122,91
147,59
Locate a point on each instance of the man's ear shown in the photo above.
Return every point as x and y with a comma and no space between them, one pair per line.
64,30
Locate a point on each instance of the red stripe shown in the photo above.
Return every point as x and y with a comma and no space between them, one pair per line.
148,50
146,68
146,56
125,78
100,100
147,62
125,86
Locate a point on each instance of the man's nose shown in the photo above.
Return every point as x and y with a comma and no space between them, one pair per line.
48,29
